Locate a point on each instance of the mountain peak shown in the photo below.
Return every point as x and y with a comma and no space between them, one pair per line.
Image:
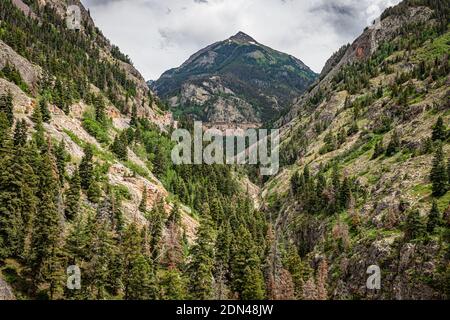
242,37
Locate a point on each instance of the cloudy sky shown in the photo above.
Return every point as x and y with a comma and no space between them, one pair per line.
162,34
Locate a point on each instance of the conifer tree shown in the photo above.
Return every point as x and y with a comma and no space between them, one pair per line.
43,107
172,285
336,185
434,218
75,249
322,278
137,276
222,263
394,144
4,127
414,226
253,284
174,251
99,105
247,278
45,241
100,250
345,193
201,266
39,134
379,150
299,271
156,223
134,117
87,168
143,204
216,210
439,130
295,182
61,158
73,196
6,106
175,215
17,196
20,133
94,192
120,146
438,174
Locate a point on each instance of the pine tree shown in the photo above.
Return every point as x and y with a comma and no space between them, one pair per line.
43,107
45,241
20,133
156,223
172,285
175,215
439,130
39,134
414,226
87,168
99,105
61,158
17,197
295,182
6,106
101,251
140,282
222,263
4,127
76,253
94,192
73,196
379,150
394,145
201,266
438,174
336,186
134,117
345,194
143,204
434,218
216,210
299,271
120,146
174,251
253,284
247,278
137,277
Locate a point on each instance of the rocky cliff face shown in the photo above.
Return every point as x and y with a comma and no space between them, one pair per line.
235,81
362,48
6,292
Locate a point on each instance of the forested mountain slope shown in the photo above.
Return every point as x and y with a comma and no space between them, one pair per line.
86,177
366,165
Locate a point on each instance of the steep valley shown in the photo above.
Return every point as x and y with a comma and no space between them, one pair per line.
87,180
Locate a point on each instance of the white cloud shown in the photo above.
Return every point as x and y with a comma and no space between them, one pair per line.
162,34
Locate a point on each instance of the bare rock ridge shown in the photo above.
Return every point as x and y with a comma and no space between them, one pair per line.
242,38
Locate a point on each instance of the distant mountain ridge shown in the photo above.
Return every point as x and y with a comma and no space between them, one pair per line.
237,80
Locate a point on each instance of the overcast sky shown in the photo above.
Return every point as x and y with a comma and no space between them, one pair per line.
161,34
